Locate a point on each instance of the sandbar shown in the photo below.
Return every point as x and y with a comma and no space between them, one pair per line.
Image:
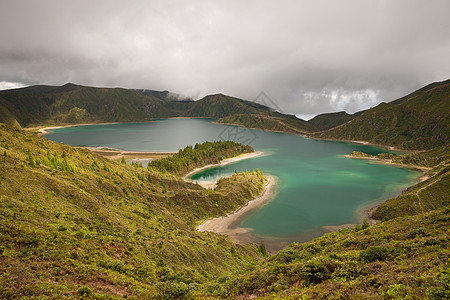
222,225
47,129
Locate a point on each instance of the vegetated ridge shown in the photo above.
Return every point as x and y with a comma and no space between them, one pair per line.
418,121
75,104
273,122
75,224
330,120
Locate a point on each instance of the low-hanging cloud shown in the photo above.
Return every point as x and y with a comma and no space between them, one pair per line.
308,56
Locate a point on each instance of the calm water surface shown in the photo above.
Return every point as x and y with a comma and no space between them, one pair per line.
316,186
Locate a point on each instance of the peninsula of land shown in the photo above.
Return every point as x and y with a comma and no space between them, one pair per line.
227,161
223,224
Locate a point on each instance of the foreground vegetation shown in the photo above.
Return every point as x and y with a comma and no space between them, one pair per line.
74,224
405,258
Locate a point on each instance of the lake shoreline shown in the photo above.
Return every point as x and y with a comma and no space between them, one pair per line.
368,212
116,154
43,130
222,224
227,161
388,162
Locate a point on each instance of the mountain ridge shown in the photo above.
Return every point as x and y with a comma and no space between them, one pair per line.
420,120
73,104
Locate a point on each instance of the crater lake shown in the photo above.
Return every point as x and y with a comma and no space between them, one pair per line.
317,189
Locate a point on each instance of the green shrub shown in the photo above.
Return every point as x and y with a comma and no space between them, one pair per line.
116,265
373,253
417,232
315,271
385,156
262,248
84,291
174,290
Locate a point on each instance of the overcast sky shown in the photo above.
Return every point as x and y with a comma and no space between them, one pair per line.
309,57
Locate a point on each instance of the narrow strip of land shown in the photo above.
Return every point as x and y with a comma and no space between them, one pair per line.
48,129
227,161
114,154
222,225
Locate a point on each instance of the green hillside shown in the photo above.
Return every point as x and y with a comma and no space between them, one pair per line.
331,120
281,123
74,223
405,258
219,106
431,194
418,121
71,104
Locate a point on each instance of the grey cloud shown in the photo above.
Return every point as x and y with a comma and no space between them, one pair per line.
308,56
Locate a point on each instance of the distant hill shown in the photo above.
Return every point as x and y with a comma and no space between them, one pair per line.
273,122
420,120
39,105
330,120
164,95
71,104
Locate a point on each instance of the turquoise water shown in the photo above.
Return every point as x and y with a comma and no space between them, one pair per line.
316,186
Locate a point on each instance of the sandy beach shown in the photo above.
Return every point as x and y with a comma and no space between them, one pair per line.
47,129
212,184
115,154
222,225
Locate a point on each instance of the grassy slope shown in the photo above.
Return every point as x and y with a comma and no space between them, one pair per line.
282,123
420,120
331,120
71,104
73,222
405,258
219,106
428,195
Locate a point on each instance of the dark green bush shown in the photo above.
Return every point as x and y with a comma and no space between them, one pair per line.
315,271
84,291
116,265
174,290
373,253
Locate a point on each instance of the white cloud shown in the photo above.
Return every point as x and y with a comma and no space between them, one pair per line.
287,49
6,85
